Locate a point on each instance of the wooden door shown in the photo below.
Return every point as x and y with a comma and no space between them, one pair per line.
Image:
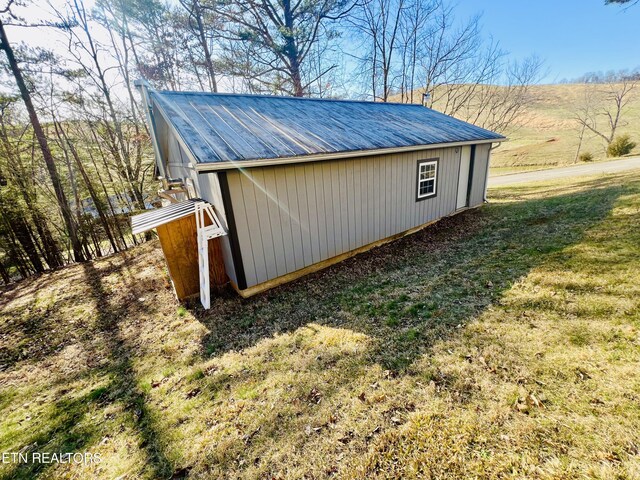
179,243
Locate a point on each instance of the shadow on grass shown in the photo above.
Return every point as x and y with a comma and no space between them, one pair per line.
418,290
63,434
384,308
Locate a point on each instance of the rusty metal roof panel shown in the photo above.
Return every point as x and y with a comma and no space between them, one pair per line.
235,128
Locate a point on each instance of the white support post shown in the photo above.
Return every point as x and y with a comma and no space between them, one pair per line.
206,233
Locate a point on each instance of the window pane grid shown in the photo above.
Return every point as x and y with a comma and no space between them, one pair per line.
427,173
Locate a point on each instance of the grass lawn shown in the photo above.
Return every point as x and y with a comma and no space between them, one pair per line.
502,342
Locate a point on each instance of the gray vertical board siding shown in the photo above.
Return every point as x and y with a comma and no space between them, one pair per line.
336,207
275,224
264,230
480,172
178,165
163,133
321,215
292,209
244,209
312,205
356,202
343,205
291,216
286,221
303,183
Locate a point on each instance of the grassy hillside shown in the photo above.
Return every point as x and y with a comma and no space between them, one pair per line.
548,134
502,342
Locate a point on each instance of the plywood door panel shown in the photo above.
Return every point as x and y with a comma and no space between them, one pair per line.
179,243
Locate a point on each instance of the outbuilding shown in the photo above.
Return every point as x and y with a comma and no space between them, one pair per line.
297,184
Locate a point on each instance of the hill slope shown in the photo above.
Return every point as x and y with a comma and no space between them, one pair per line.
549,134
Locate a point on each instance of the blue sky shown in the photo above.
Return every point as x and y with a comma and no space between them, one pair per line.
572,36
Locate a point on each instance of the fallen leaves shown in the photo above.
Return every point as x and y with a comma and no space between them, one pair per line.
247,438
309,429
582,374
314,396
192,393
524,404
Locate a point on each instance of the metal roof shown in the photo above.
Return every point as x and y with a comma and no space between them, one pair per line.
154,218
222,129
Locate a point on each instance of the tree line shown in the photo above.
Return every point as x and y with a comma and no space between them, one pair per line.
75,154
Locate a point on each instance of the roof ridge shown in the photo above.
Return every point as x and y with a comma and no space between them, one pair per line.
284,97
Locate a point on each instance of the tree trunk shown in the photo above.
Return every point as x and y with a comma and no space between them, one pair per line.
15,221
291,50
97,201
44,146
205,47
6,278
50,248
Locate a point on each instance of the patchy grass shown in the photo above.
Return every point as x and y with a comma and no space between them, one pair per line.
502,342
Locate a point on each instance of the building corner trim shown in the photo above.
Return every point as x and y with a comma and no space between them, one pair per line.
232,231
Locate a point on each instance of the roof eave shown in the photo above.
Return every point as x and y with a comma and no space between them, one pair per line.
265,162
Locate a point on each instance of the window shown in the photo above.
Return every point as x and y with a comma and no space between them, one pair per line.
427,178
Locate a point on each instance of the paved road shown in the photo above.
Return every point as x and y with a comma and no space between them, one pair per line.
613,166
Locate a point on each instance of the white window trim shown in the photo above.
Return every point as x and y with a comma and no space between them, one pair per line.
433,162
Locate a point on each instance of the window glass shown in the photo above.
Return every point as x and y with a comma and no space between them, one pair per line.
427,174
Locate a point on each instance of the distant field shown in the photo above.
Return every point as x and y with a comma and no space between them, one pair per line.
549,135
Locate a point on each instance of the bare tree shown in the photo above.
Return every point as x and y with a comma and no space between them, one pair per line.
500,106
199,22
620,2
416,49
16,143
275,39
85,51
603,106
61,196
380,22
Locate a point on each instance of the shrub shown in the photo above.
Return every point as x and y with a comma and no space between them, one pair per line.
621,145
586,157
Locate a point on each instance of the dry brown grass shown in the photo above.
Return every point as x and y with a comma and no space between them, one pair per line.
503,342
547,134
